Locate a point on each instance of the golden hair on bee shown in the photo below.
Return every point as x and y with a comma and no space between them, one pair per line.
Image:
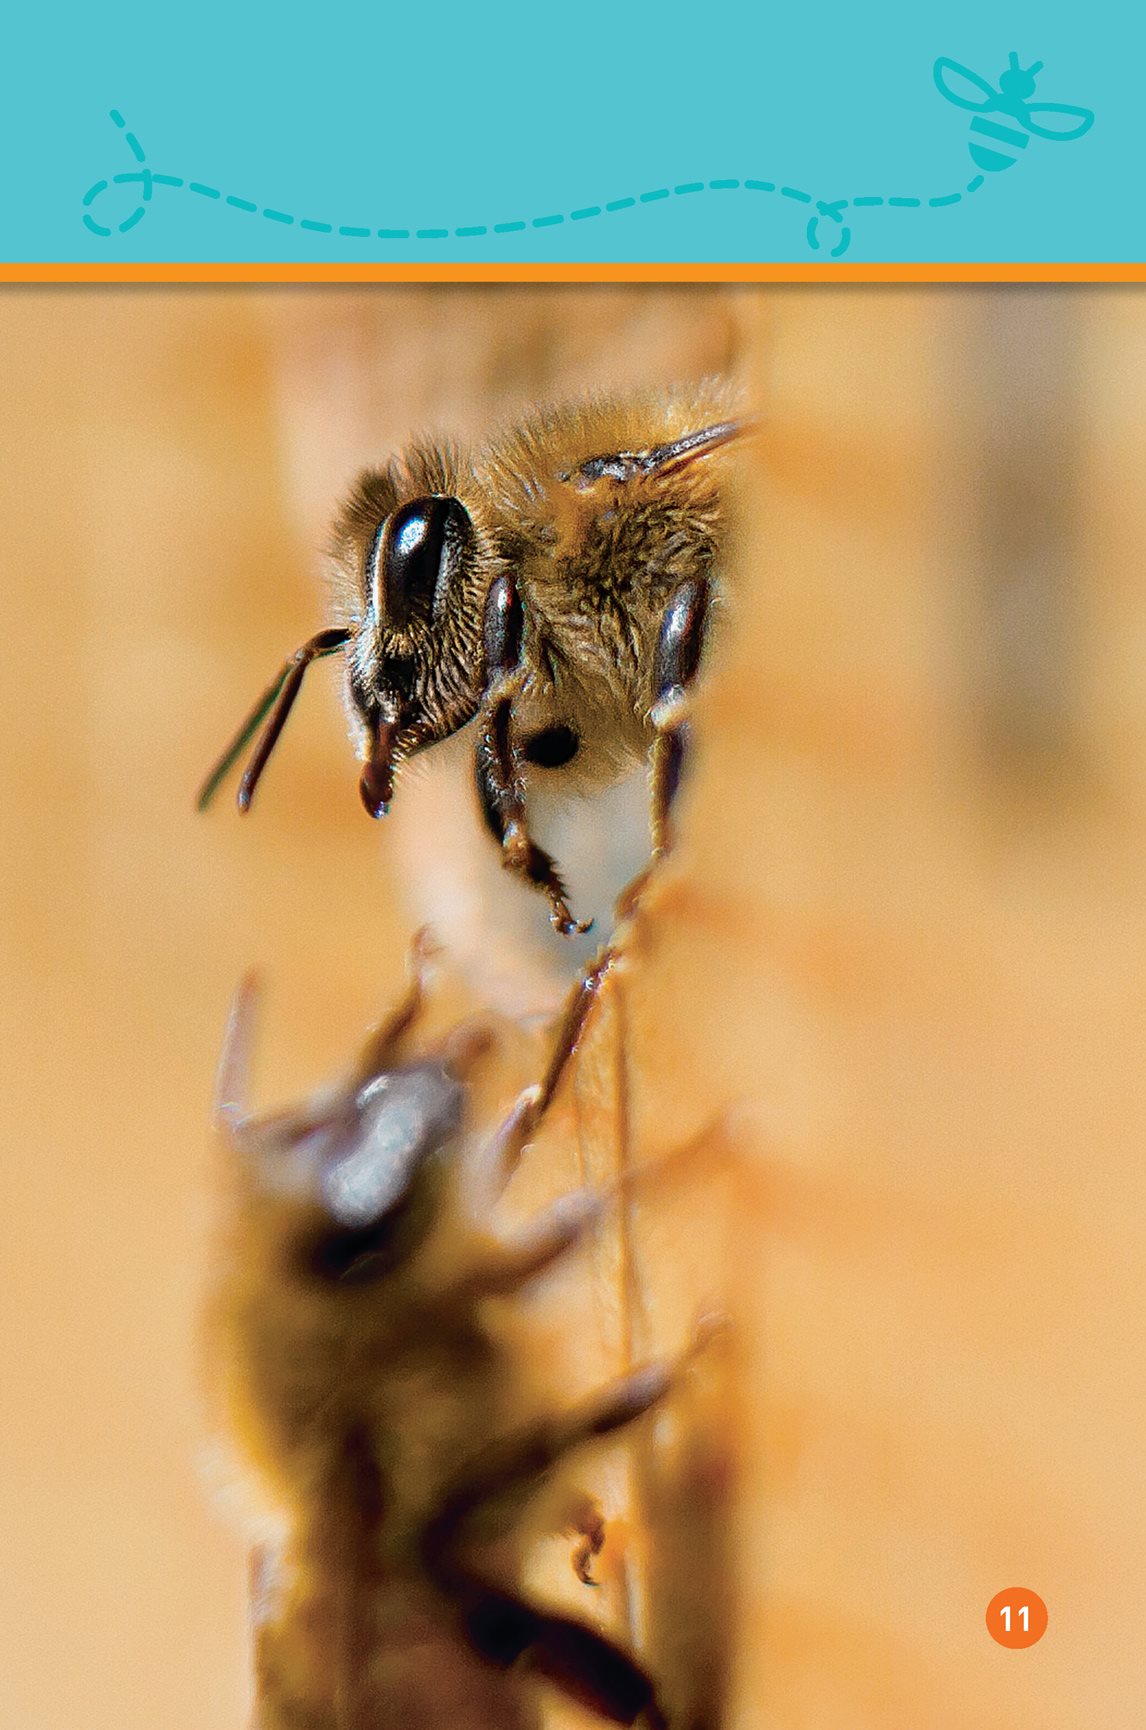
379,1397
553,584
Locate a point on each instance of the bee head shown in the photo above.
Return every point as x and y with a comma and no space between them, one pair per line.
373,1175
417,564
412,563
347,1184
347,1188
1019,81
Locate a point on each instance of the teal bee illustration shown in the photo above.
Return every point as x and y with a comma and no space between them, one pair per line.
1059,123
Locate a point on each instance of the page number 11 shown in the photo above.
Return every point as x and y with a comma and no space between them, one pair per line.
1016,1617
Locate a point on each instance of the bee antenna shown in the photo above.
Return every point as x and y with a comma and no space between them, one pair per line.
272,708
1027,71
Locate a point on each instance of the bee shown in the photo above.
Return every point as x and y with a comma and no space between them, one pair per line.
1016,84
552,587
365,1358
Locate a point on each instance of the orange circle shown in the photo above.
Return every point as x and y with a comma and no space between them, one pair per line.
1016,1617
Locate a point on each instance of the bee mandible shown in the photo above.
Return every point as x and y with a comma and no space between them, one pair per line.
554,587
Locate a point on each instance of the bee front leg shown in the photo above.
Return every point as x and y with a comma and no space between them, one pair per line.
498,763
677,659
495,1161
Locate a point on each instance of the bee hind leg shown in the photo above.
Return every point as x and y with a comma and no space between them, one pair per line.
675,666
591,1669
503,1626
498,760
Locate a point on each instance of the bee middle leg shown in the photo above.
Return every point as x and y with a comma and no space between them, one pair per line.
677,659
675,667
497,764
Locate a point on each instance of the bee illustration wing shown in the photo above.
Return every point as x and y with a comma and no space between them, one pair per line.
1071,122
949,75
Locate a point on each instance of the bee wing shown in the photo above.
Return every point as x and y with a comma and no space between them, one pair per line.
231,1108
1073,123
948,75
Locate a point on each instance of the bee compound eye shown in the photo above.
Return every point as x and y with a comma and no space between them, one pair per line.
415,553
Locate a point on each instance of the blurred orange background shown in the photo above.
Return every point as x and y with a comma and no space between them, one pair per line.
903,935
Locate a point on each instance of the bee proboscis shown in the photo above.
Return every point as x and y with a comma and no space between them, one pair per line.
553,586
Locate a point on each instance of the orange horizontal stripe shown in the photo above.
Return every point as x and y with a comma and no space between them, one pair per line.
821,273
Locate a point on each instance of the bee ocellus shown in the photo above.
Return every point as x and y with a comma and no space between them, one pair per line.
383,1409
553,587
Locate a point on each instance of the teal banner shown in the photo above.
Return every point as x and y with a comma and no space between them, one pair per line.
527,133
